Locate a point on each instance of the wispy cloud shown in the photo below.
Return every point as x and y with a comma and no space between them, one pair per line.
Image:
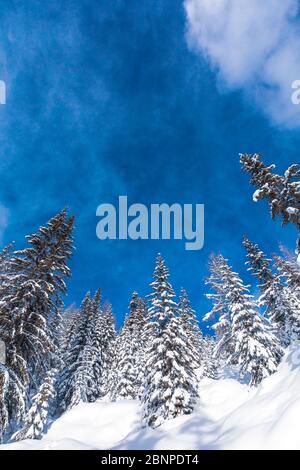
254,46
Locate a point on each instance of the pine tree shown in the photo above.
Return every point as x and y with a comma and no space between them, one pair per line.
77,378
255,348
170,388
289,270
210,364
70,321
273,295
192,328
30,294
259,265
219,272
129,353
96,352
108,350
38,414
281,191
142,342
4,417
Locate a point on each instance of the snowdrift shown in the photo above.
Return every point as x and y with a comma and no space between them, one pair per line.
229,416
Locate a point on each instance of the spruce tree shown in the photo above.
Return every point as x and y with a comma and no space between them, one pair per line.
192,328
281,191
274,296
289,271
77,379
170,388
96,352
108,350
210,364
220,312
254,348
38,415
129,353
30,295
4,416
259,265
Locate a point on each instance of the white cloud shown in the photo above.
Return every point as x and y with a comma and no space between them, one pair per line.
254,45
3,221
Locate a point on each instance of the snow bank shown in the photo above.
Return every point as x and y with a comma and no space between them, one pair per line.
229,416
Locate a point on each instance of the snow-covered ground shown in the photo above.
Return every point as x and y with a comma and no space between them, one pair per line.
229,416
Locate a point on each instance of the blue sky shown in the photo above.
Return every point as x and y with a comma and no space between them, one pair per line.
110,98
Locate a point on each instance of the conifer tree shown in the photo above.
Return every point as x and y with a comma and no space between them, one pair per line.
129,353
108,350
96,351
281,191
255,348
77,379
192,328
70,321
220,312
40,410
4,417
210,364
273,294
30,294
289,270
170,388
259,265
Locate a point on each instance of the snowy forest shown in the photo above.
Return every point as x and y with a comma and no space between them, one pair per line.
56,357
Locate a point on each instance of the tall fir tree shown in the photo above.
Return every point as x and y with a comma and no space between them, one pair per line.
192,328
220,312
38,415
281,191
30,294
170,383
108,350
210,363
274,297
77,379
129,353
255,349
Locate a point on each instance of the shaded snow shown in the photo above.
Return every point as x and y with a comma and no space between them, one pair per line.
229,416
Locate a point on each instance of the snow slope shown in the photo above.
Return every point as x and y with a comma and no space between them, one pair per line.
229,416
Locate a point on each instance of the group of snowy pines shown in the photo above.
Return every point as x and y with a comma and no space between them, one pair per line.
56,358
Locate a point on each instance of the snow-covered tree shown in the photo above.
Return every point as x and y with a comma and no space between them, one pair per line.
77,379
254,348
96,352
210,363
259,265
170,388
191,326
129,353
40,410
220,313
108,350
289,271
30,295
281,191
4,417
70,321
274,297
